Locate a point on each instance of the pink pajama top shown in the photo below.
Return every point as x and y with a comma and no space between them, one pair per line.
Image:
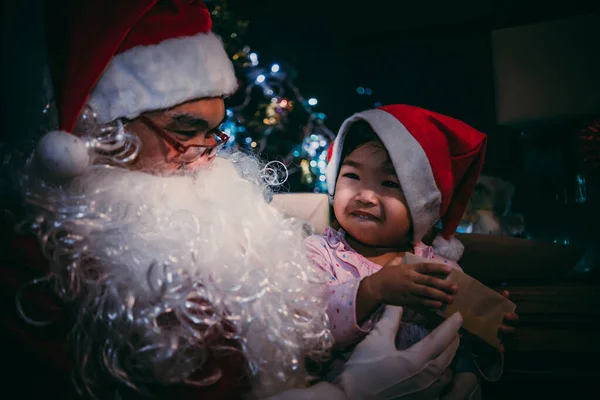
347,268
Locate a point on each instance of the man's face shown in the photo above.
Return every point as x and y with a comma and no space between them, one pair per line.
191,123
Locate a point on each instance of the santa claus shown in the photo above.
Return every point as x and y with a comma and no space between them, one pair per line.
178,277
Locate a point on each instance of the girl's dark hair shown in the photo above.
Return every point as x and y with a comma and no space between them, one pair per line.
358,134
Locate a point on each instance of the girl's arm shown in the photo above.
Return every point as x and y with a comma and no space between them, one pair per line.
343,301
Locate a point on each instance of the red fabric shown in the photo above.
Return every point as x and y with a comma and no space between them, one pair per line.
42,353
94,31
455,151
330,151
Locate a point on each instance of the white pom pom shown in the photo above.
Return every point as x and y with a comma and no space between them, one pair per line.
62,154
451,248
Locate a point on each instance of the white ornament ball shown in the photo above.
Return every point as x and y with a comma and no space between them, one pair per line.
62,154
451,248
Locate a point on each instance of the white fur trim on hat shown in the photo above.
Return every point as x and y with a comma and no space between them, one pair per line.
418,184
452,248
161,76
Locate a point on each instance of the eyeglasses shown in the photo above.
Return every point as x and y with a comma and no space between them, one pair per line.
192,152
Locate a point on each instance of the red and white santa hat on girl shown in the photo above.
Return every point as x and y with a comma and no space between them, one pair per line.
437,159
127,57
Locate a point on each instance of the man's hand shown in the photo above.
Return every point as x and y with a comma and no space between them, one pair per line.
376,370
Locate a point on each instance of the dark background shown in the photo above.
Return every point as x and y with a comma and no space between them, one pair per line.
435,54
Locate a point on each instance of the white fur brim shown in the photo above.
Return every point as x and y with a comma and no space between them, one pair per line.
410,162
452,248
161,76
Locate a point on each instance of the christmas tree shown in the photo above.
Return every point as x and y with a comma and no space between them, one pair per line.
268,114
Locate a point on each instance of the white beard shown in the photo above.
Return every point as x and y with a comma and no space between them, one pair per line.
211,237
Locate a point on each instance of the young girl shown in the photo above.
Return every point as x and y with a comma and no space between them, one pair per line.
393,173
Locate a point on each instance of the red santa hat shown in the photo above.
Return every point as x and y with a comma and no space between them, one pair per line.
124,58
438,160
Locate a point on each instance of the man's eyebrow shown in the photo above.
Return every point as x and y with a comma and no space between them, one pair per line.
188,120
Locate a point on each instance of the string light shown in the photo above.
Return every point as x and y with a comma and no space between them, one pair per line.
268,109
253,58
362,90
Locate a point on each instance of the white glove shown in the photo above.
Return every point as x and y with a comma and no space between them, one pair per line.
376,370
465,386
320,391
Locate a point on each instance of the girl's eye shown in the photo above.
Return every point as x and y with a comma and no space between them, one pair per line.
350,175
391,184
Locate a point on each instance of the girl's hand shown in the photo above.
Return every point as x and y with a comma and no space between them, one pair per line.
413,285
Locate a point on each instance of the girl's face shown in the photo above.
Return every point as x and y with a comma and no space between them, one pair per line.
369,203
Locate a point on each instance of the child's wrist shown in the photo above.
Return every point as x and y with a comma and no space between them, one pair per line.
373,288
